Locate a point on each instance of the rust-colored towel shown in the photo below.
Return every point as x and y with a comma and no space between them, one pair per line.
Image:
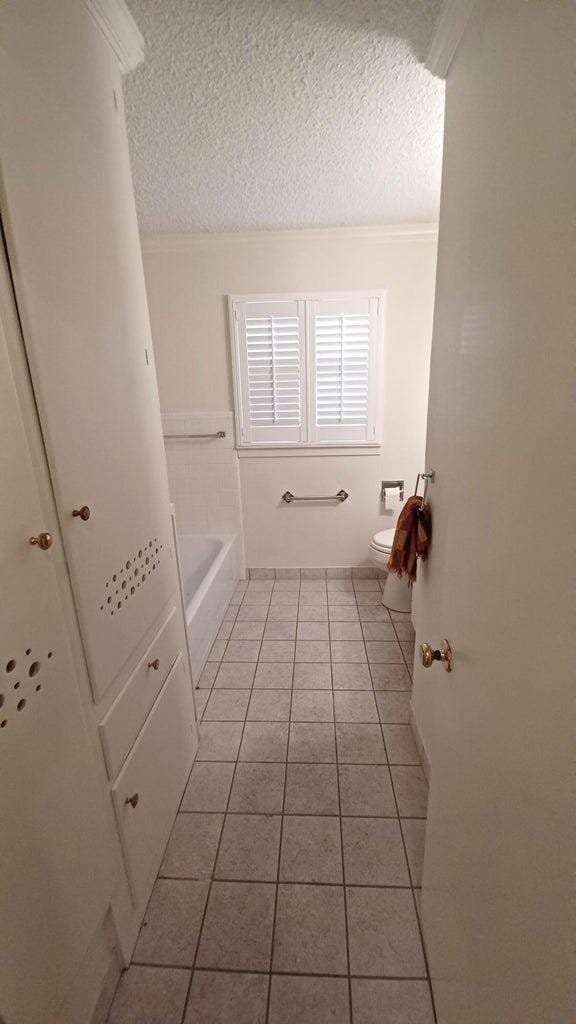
411,539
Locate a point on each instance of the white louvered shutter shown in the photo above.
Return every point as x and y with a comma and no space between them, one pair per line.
271,358
343,350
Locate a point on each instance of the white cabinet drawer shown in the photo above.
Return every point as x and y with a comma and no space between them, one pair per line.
124,719
153,779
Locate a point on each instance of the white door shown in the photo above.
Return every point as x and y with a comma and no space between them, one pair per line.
55,869
499,730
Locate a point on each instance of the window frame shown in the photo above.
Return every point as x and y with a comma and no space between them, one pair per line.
310,442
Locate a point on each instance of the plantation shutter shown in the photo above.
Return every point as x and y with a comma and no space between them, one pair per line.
343,372
272,362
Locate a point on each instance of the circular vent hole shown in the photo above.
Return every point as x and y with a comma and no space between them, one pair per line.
39,687
34,668
29,652
11,665
50,654
21,704
3,723
1,700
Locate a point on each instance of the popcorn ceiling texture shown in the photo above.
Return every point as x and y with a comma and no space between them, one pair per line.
284,113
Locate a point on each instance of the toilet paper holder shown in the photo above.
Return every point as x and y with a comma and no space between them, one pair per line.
391,485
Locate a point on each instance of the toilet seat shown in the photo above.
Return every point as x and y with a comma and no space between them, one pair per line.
383,540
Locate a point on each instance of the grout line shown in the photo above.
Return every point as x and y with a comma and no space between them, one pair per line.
345,898
297,814
269,993
211,880
285,974
414,902
292,881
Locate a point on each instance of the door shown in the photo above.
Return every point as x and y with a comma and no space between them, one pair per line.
499,730
75,255
55,868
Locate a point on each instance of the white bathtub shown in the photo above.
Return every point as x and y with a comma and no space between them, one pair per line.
209,575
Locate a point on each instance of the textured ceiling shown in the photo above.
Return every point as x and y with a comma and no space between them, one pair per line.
284,113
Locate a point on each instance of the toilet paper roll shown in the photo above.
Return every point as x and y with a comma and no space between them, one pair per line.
392,502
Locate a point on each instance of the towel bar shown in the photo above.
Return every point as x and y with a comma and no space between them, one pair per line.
428,479
219,433
341,496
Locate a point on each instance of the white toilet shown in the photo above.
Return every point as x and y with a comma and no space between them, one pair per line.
397,595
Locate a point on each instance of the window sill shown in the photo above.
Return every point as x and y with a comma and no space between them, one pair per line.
271,451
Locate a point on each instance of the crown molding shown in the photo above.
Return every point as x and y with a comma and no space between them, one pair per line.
446,39
185,241
120,31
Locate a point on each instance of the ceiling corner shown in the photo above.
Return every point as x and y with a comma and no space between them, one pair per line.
447,35
120,31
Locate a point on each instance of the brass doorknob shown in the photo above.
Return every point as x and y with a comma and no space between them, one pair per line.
155,664
428,655
43,541
82,513
132,800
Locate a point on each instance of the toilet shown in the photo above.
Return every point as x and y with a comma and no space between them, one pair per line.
397,595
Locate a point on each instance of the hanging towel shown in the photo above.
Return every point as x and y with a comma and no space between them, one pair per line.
411,539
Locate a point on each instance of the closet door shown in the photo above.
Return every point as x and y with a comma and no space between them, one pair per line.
75,255
55,871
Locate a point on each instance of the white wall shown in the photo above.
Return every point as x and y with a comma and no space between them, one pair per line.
188,278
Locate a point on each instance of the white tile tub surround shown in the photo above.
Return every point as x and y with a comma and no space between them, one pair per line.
204,485
203,475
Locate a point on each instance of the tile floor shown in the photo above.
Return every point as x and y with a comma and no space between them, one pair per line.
289,888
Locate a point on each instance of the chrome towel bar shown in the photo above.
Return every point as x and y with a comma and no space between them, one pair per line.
341,496
219,433
428,478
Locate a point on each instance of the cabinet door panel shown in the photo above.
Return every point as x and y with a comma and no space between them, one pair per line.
55,863
75,254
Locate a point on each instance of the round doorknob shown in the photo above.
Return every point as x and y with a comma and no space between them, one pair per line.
43,541
132,800
155,664
82,513
428,655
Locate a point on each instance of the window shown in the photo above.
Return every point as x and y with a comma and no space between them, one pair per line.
306,369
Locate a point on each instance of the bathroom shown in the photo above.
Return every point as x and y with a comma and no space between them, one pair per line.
188,279
285,347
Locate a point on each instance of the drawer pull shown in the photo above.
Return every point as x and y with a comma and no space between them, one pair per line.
155,664
82,513
43,541
132,800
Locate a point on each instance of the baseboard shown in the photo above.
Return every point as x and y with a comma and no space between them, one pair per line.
361,572
420,746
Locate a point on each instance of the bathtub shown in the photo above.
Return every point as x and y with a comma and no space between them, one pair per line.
209,572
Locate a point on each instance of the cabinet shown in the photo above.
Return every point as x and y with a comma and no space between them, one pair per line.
74,248
75,745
